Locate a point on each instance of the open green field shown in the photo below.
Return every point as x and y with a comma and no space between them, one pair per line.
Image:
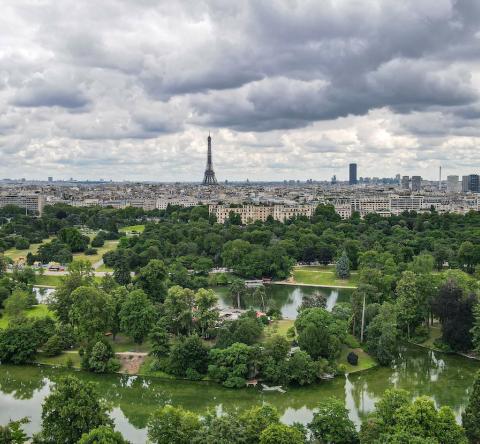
38,311
104,268
277,328
137,228
60,360
315,276
15,254
48,280
365,361
108,246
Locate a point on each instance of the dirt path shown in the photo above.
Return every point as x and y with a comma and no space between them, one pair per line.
130,362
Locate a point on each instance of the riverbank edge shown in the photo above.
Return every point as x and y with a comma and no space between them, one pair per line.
463,355
171,377
297,284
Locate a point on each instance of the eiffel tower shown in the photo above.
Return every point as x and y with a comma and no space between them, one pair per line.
209,177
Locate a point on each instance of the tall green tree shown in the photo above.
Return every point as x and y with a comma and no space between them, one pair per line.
73,408
206,313
91,312
178,310
342,267
80,274
173,425
152,279
331,424
319,333
137,315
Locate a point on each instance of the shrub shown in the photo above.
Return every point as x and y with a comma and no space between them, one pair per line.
53,346
91,251
352,358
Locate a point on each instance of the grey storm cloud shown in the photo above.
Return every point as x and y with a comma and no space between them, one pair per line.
152,77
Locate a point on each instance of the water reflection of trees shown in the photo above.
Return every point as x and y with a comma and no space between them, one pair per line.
21,382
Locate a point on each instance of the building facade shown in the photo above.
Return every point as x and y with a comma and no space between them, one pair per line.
251,213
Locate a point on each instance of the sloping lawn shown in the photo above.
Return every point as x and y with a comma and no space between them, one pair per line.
38,311
137,228
15,254
317,277
277,328
108,246
48,280
365,361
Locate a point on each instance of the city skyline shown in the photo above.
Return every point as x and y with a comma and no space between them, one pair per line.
131,88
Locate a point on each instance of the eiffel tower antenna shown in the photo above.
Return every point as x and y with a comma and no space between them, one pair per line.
209,177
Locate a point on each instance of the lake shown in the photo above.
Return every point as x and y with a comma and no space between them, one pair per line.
286,298
446,378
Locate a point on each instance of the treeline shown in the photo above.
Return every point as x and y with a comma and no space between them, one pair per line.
394,302
74,413
187,236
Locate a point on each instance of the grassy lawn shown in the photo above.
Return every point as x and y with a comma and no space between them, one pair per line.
50,281
315,267
137,228
15,254
125,344
277,328
61,360
39,311
318,277
365,361
108,246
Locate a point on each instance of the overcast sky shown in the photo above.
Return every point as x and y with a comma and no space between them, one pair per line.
129,89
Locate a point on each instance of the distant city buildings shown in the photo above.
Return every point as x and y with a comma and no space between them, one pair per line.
252,213
352,177
453,184
32,203
405,182
416,183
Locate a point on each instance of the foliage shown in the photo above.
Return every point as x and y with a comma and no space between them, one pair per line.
98,357
172,425
397,419
18,343
315,300
247,330
454,310
232,365
178,310
12,433
331,423
471,415
188,353
71,409
342,268
102,435
137,315
160,341
54,345
281,434
152,280
90,312
383,335
319,333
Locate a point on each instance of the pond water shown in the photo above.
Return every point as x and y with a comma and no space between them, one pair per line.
286,298
446,378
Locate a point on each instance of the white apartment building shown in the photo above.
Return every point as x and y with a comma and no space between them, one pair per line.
252,213
31,202
163,203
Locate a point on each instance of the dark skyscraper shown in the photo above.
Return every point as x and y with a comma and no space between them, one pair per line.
474,183
209,177
353,174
